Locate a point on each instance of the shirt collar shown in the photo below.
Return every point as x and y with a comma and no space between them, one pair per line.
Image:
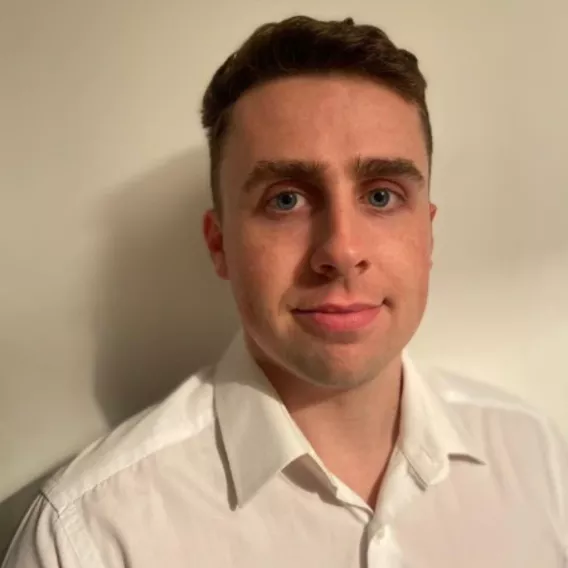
260,437
431,431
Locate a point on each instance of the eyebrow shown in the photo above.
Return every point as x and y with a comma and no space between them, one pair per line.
367,168
268,170
314,172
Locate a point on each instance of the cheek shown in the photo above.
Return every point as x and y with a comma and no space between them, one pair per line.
262,263
408,262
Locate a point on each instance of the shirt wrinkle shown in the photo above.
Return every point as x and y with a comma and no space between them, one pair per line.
476,478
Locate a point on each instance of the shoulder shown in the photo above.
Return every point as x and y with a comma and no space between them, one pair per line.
520,443
486,408
464,392
182,416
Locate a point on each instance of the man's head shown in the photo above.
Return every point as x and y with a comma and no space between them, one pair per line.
320,147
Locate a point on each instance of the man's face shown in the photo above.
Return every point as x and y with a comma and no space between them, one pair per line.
326,231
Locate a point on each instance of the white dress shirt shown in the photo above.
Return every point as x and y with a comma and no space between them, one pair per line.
218,475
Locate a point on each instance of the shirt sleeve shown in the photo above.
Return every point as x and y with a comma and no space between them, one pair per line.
558,464
41,541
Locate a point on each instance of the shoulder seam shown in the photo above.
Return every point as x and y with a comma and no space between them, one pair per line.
60,501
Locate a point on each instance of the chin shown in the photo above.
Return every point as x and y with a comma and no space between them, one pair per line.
335,365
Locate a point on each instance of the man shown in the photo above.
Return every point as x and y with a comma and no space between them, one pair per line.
315,441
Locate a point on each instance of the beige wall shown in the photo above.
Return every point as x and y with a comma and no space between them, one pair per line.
106,296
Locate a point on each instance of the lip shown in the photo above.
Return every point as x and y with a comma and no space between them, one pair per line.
335,318
338,308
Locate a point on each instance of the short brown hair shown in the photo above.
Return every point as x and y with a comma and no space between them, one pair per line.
304,46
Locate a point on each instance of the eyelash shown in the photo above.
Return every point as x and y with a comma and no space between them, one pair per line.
397,194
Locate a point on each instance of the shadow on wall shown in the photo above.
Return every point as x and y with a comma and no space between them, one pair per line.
160,312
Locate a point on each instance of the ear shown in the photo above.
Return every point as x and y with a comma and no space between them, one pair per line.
433,211
213,234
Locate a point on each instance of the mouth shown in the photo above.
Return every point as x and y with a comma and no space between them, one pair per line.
335,318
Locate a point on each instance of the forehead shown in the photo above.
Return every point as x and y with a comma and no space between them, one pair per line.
330,119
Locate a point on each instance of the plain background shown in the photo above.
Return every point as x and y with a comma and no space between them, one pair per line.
107,299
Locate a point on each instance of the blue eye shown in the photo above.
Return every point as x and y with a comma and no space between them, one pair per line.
285,201
379,198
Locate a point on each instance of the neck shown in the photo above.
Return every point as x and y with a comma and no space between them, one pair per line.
353,431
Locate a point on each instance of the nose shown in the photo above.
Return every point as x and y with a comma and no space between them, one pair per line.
340,250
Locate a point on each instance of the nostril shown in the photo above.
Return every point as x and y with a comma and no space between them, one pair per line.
327,269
